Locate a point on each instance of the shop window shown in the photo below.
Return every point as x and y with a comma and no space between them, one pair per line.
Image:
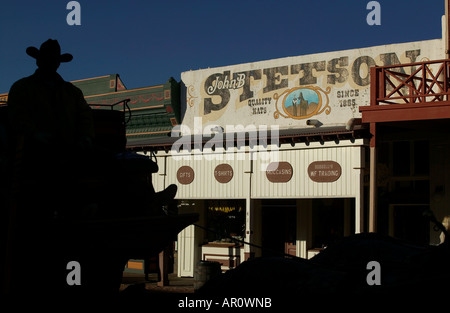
410,164
383,153
279,226
402,158
407,189
332,219
408,223
410,158
225,219
421,158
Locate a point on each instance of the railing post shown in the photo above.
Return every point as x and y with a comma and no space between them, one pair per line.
411,88
424,81
381,84
445,80
373,181
374,86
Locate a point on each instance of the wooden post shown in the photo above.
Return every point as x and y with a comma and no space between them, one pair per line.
447,29
163,259
373,181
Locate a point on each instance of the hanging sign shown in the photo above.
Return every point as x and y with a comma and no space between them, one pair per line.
185,175
286,92
324,171
279,172
223,173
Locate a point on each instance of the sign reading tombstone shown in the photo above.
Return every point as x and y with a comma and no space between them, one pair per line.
324,171
185,175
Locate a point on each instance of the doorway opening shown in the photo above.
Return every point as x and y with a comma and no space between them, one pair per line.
279,227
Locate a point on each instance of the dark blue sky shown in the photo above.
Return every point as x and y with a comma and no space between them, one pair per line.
147,42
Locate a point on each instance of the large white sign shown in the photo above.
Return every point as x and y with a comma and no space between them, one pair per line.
286,92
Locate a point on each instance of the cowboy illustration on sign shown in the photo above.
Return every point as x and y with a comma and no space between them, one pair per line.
302,102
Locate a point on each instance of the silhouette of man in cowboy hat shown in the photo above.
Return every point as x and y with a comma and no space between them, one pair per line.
51,126
52,129
50,113
55,123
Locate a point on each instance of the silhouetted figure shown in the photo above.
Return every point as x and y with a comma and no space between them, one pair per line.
52,127
58,177
50,132
50,113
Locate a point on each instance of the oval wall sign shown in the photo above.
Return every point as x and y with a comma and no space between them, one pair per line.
279,172
223,173
324,171
185,175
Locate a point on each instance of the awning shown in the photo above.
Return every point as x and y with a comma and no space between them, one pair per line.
239,139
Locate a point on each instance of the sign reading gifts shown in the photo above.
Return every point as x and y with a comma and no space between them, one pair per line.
327,86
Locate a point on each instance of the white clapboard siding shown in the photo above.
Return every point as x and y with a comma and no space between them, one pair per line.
205,185
251,174
301,185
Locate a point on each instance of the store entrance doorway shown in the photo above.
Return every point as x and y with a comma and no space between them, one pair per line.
407,222
279,227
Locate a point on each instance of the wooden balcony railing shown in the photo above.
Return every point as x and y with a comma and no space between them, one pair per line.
412,83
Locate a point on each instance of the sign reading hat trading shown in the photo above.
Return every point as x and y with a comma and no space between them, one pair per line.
324,171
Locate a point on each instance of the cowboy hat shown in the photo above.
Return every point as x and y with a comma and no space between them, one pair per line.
49,50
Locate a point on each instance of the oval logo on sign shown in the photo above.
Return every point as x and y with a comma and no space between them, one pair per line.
185,175
302,102
223,173
324,171
279,172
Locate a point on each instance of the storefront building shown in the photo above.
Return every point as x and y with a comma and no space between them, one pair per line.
150,112
285,156
276,153
409,119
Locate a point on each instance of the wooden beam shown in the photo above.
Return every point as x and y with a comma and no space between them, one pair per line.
447,29
405,112
373,190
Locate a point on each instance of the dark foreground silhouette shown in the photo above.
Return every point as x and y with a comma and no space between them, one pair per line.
411,273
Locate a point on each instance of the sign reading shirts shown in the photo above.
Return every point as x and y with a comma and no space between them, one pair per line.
286,92
223,173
